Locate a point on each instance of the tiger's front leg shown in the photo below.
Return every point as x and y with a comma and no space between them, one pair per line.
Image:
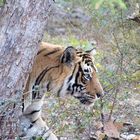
31,124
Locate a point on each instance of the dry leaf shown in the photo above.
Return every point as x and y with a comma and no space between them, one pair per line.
111,130
100,135
119,125
136,138
99,125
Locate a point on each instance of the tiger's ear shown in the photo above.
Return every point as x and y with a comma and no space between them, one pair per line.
92,46
68,55
92,51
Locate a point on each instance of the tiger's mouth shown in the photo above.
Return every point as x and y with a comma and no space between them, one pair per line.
86,100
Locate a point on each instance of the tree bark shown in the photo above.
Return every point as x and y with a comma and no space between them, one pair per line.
22,24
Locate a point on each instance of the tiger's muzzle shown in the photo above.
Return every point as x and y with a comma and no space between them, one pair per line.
87,99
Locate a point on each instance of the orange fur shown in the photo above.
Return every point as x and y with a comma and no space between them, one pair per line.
48,56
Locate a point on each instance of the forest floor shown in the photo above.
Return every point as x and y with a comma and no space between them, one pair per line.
72,121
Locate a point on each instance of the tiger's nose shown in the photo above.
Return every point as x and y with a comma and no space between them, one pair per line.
99,95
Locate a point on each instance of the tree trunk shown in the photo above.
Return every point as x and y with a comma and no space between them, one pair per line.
22,24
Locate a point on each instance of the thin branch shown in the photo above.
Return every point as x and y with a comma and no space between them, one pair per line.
113,105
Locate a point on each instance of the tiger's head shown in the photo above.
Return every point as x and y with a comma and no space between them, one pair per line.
66,72
82,81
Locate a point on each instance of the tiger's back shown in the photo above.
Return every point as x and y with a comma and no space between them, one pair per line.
44,59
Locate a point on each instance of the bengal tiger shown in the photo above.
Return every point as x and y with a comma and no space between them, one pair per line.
61,71
64,71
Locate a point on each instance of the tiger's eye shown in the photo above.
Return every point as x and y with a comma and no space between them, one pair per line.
86,70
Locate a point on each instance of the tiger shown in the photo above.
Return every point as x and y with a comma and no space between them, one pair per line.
63,72
31,124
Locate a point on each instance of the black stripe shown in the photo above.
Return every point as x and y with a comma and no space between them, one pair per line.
39,79
31,125
41,51
69,87
48,86
77,52
72,74
58,93
34,111
86,57
51,52
76,77
42,74
34,121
